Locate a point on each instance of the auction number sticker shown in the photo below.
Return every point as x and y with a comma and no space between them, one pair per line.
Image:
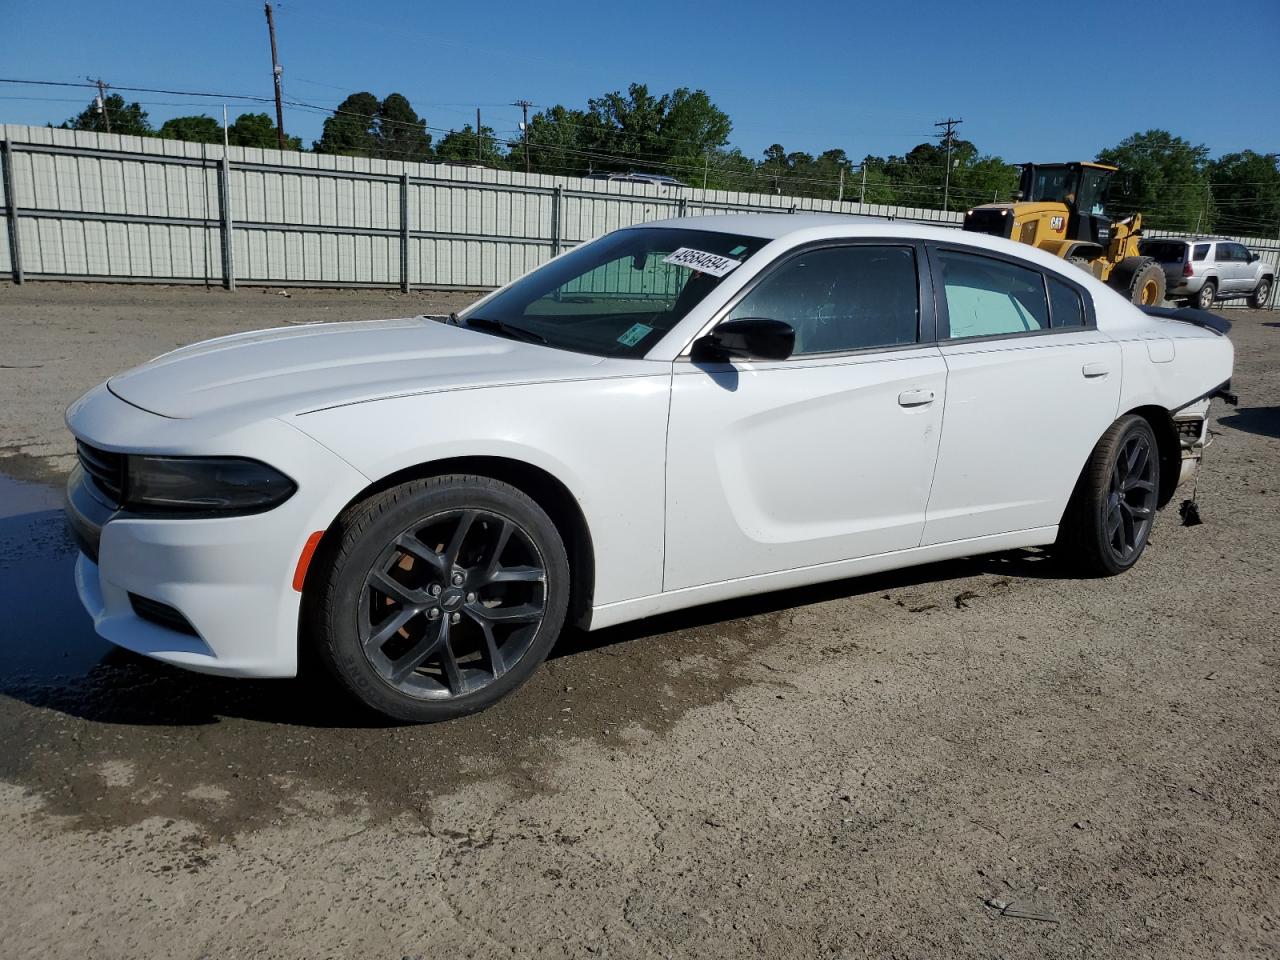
702,261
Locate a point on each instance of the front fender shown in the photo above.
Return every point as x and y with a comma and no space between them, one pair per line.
604,440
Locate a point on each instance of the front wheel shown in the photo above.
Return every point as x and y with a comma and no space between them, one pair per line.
1258,299
1108,520
441,597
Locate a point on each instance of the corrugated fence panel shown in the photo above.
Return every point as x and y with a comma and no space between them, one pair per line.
104,206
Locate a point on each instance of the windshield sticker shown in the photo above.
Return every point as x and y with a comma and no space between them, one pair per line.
701,261
738,250
635,335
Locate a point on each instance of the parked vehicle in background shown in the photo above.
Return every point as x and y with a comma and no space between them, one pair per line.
1203,270
656,179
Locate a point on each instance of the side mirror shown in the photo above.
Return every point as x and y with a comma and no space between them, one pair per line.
1253,257
1018,196
751,338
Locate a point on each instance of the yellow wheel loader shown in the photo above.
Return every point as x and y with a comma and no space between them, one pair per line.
1061,208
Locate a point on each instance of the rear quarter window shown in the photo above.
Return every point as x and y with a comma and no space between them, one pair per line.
1201,251
1066,309
1165,251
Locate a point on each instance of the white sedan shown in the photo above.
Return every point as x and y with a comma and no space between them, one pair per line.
675,413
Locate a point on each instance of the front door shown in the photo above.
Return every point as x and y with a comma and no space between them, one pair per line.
827,456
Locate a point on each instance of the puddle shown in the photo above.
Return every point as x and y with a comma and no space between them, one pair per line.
46,638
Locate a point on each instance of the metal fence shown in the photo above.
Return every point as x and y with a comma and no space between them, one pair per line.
89,206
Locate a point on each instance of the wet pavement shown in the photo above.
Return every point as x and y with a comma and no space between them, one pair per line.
75,706
82,713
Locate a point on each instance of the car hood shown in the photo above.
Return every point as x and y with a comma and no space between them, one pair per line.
296,369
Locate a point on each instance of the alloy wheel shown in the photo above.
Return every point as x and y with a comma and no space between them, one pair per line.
1131,497
452,603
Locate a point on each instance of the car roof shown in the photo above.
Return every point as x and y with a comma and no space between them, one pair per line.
768,226
795,229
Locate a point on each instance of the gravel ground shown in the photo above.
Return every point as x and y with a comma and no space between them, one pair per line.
973,759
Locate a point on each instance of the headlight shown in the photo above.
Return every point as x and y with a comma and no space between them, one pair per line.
204,485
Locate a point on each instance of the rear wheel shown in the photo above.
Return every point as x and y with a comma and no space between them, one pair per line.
441,597
1109,518
1141,279
1208,293
1258,299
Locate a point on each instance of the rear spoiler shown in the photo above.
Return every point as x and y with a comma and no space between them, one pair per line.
1201,318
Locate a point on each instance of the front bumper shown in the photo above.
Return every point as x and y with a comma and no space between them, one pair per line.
229,578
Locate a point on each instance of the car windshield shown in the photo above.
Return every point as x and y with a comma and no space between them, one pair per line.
618,296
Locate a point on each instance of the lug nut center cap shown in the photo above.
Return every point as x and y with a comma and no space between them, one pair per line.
451,599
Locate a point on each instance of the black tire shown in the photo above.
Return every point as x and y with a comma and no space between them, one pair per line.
1258,299
1206,296
1108,521
1139,279
412,615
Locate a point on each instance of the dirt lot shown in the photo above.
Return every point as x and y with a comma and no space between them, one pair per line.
869,768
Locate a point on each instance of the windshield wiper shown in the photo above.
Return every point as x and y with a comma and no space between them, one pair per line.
502,328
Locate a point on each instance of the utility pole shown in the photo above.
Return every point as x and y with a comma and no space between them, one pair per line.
948,138
276,70
102,103
862,197
706,162
479,142
524,106
840,194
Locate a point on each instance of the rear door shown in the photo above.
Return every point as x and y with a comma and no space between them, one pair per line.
823,457
1233,264
1031,386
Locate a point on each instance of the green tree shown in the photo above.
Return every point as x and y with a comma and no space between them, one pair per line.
1163,177
258,130
460,146
126,118
561,140
1246,193
196,129
690,131
352,130
727,169
400,134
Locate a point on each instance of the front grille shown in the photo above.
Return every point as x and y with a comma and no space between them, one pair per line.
161,614
106,469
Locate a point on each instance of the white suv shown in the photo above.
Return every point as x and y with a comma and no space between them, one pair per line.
1205,269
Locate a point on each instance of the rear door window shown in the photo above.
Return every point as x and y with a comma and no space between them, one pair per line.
987,297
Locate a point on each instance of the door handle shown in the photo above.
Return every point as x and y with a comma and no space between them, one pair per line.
1094,370
915,398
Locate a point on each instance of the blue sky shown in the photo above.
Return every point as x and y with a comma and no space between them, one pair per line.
1031,81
